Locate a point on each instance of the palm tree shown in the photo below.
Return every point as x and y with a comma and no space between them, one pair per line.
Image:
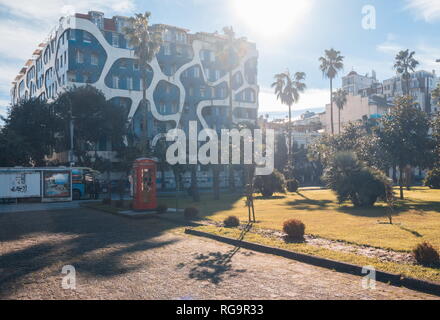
287,90
404,64
229,53
340,98
146,44
331,64
436,94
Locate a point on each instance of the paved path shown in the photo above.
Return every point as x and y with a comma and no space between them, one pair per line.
118,258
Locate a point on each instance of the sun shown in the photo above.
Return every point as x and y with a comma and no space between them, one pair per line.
271,18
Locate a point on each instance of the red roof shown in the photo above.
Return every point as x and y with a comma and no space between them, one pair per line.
82,16
109,24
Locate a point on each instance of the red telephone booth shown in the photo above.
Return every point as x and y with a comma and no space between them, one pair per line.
144,185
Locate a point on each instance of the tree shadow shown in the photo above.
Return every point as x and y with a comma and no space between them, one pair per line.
214,266
309,204
270,198
413,232
95,243
381,210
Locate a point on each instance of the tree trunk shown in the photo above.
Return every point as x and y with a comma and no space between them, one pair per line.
162,172
331,106
401,182
230,120
290,135
394,174
194,186
144,147
216,182
339,120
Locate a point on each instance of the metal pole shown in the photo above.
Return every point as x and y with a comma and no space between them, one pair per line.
71,143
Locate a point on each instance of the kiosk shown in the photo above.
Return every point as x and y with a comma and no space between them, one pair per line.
144,185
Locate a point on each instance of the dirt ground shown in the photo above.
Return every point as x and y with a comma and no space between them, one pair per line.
119,258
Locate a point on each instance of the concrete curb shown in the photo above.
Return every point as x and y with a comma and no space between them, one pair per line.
385,277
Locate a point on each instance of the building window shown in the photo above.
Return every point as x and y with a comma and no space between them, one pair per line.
208,74
130,83
115,82
167,49
136,66
174,108
217,74
115,40
202,91
162,108
196,72
94,59
168,89
179,51
79,57
72,35
87,37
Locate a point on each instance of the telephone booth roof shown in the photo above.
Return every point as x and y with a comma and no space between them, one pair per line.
145,160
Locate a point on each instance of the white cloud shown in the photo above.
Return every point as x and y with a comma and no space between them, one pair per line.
29,23
53,9
426,54
19,40
390,46
429,10
311,98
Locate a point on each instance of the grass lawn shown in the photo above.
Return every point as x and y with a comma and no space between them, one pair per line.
417,218
413,271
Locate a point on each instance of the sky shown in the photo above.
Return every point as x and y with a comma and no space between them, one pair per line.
290,34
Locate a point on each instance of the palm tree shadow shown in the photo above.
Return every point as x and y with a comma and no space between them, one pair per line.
215,266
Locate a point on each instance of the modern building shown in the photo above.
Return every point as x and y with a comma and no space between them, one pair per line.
186,80
354,82
421,85
357,108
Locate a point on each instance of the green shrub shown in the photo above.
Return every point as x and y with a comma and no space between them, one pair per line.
432,179
425,254
270,184
231,222
353,180
162,208
294,229
292,185
191,213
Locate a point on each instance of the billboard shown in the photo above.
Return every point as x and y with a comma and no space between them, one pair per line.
57,185
17,185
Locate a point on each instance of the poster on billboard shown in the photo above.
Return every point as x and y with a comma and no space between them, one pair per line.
57,185
18,185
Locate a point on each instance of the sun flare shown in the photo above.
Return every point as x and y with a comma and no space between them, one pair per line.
271,17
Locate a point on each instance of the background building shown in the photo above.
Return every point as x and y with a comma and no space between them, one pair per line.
368,98
186,80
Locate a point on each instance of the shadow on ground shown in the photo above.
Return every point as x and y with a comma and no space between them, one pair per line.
35,241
